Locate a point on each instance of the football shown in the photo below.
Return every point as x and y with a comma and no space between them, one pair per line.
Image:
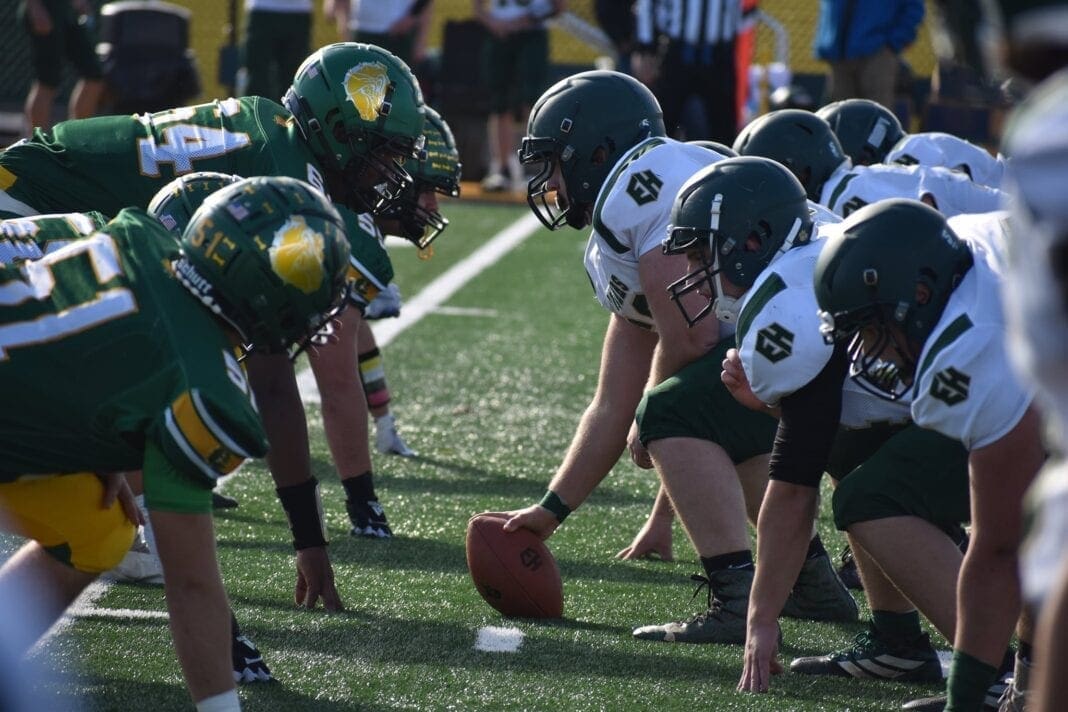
514,571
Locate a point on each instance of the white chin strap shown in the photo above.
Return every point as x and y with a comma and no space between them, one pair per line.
727,309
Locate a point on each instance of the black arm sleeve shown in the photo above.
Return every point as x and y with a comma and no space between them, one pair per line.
808,425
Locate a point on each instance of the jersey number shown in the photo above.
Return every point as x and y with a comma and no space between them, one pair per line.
185,143
853,204
104,305
644,187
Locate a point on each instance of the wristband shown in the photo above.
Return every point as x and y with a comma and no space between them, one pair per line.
554,504
304,510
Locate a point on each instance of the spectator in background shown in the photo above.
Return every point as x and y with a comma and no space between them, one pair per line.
687,47
58,29
862,41
397,25
616,18
515,65
277,39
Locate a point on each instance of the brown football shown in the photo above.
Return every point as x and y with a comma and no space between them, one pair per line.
514,571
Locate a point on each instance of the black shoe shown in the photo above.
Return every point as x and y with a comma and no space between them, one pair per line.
248,663
874,657
722,622
368,519
847,572
221,501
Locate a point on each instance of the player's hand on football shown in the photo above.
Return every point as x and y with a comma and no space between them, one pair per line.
761,657
315,580
653,540
638,454
116,488
536,518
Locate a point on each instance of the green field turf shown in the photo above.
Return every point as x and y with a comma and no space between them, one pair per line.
489,401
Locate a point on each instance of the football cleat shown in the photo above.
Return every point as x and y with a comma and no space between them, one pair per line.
139,565
368,519
248,663
722,622
874,657
991,703
495,183
847,572
221,501
387,440
819,595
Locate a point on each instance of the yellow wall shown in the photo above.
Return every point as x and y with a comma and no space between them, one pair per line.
799,16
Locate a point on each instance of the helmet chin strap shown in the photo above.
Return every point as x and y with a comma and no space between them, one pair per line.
727,308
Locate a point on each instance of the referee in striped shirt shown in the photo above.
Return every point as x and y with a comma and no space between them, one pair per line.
686,48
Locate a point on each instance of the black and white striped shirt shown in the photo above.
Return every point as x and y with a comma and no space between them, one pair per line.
699,23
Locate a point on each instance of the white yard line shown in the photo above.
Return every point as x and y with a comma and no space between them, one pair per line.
425,302
492,639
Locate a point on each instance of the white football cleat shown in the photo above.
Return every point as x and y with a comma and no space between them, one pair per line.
140,565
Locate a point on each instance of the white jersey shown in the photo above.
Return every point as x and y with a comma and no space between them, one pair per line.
780,344
934,148
850,189
965,388
377,16
631,217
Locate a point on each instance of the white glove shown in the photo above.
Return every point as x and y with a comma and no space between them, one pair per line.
386,304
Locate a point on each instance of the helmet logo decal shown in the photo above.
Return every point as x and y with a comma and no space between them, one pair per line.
365,86
297,255
717,208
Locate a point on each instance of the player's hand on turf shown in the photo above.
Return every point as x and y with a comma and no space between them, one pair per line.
737,382
116,487
761,657
638,454
536,518
315,580
653,540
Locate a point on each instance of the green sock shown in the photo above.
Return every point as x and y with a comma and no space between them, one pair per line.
897,627
969,679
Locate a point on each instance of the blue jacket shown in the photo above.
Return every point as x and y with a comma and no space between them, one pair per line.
858,28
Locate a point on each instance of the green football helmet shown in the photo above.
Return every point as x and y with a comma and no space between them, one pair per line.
882,284
800,140
269,256
174,204
739,214
361,112
866,129
437,170
583,125
720,148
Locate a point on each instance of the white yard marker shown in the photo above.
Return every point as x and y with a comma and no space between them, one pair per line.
492,639
439,291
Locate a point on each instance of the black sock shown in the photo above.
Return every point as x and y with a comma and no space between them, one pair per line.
737,560
897,627
815,548
360,487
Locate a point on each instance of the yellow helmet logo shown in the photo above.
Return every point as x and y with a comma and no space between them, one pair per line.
297,255
365,86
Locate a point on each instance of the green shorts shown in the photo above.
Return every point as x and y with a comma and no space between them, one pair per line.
275,45
67,39
893,471
694,403
515,69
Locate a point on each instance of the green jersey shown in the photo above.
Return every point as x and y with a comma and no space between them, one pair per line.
105,358
112,162
34,237
370,269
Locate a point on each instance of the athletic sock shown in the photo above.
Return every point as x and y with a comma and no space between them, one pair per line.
969,679
360,487
373,377
734,560
897,627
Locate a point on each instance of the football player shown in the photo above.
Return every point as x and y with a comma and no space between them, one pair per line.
918,306
599,141
870,133
1036,295
353,114
805,143
137,336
